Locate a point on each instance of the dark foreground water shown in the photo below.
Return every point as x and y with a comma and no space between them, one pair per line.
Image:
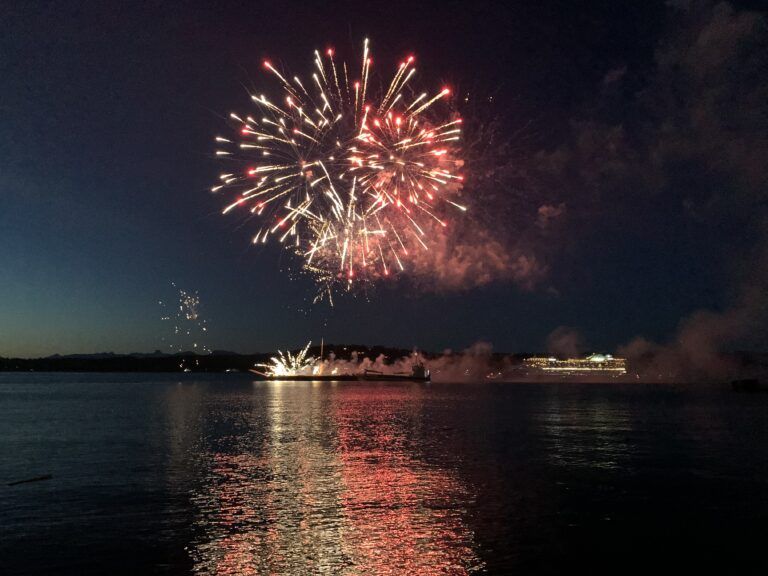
161,474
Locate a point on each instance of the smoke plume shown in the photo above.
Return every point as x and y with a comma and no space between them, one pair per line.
565,341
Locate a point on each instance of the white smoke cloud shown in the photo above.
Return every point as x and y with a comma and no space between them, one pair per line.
701,349
473,364
548,214
565,341
464,261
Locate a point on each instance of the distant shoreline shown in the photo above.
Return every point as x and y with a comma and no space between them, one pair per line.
490,367
217,361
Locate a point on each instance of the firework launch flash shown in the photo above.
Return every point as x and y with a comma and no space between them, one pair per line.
348,178
291,364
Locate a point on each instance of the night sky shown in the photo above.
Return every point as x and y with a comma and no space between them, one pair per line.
635,176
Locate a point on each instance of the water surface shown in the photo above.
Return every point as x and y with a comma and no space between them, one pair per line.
191,474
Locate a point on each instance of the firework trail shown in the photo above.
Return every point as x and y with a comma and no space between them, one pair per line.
350,178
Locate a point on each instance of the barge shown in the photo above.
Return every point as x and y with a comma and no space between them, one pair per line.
419,373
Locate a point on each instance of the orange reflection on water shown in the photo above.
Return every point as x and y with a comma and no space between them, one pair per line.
406,515
326,480
404,519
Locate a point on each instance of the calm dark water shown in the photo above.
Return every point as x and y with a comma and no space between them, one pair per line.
161,474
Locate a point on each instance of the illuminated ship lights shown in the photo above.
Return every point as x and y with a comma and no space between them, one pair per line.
594,364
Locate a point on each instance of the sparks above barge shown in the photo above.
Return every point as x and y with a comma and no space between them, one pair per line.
418,374
301,367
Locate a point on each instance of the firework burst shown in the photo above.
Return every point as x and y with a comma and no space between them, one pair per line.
189,330
290,364
349,178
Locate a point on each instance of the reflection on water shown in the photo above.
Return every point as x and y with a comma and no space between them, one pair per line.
323,482
594,434
180,474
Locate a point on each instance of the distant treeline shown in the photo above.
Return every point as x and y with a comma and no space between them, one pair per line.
218,361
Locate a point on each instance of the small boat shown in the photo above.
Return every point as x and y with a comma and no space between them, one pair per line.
419,373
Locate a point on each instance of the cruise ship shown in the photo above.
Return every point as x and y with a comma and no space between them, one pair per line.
594,365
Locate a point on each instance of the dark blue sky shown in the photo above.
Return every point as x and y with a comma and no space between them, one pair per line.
109,109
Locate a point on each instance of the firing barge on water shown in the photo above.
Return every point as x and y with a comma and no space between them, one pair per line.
419,373
301,367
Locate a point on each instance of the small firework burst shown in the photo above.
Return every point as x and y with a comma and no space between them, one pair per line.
189,329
